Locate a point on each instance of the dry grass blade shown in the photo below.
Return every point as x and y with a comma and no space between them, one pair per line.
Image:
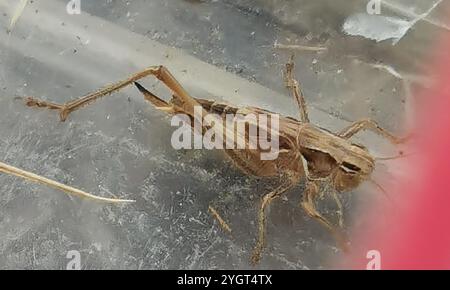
299,47
8,169
17,13
222,223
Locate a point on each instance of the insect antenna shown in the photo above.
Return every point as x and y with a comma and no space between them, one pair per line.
383,191
401,155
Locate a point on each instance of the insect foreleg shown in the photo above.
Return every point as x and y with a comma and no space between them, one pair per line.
309,197
367,124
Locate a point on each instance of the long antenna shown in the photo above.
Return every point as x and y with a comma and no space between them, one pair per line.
383,191
394,157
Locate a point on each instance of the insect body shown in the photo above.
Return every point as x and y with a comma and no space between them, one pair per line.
306,151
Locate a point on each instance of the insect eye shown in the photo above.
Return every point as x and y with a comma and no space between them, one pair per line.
348,167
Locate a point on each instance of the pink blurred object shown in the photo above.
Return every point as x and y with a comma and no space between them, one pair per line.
417,235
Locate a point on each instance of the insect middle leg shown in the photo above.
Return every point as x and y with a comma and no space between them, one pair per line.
160,72
367,124
292,84
267,199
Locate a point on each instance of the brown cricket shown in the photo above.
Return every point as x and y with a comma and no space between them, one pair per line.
306,151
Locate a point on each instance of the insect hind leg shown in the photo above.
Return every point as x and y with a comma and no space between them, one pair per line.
71,106
160,72
156,101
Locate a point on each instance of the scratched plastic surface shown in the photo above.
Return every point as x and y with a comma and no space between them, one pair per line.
121,146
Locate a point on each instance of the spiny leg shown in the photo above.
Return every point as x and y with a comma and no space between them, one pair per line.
8,169
67,108
159,72
293,85
367,124
267,199
308,204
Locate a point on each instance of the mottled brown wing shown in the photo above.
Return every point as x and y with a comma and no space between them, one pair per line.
250,161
